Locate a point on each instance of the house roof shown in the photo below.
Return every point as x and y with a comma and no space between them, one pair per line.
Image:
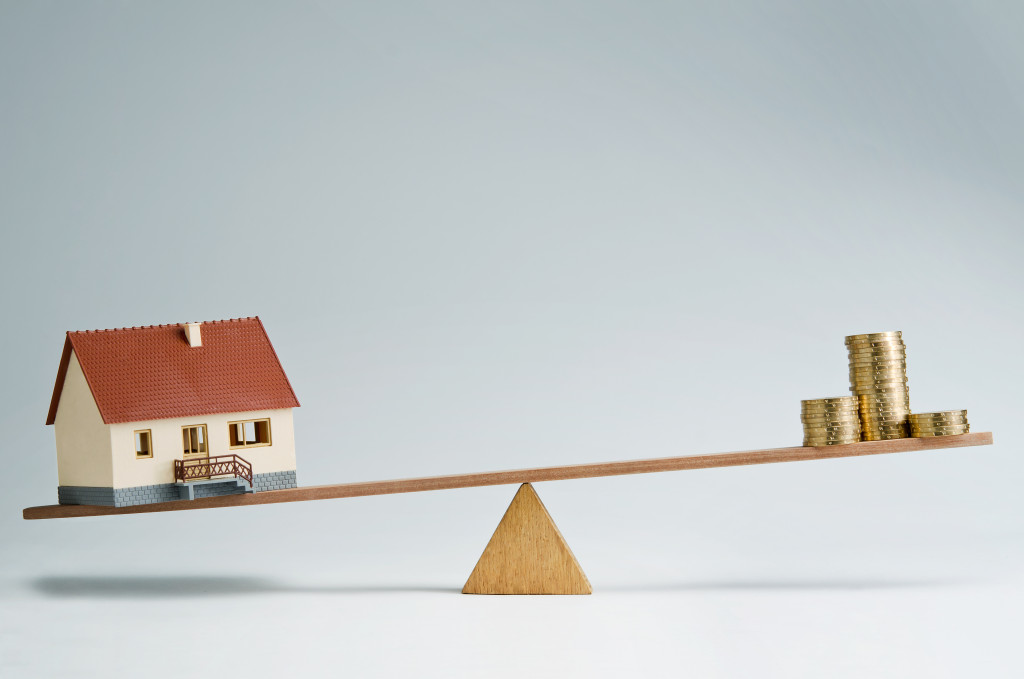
151,372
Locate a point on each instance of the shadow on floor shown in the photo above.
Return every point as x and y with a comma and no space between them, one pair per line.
131,587
138,587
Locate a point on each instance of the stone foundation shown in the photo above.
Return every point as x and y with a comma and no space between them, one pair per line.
166,492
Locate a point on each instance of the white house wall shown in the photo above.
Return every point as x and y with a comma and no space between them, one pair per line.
129,471
83,440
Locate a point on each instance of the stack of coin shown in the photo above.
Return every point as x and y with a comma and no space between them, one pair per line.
830,421
878,378
942,423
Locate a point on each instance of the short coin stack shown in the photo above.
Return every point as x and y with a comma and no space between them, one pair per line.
830,421
878,378
943,423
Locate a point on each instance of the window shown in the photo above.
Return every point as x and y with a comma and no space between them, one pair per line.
143,443
193,440
249,433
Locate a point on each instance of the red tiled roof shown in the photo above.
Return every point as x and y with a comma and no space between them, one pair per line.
151,373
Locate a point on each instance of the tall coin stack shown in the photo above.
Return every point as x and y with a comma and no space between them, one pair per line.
830,421
943,423
878,377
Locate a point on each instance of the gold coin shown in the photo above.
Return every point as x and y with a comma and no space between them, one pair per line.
936,427
885,407
883,418
889,428
876,348
938,431
872,336
817,440
941,415
892,390
822,425
877,357
874,402
878,403
845,407
838,401
881,389
887,368
925,435
822,444
935,424
851,408
831,426
845,415
883,412
895,429
882,382
849,420
870,434
870,344
871,420
832,441
825,422
876,368
885,390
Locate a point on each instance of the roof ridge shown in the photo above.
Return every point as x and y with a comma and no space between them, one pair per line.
164,325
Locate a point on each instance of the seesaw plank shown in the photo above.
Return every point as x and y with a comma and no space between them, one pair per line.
519,476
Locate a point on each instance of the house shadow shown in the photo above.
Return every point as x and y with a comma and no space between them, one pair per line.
148,587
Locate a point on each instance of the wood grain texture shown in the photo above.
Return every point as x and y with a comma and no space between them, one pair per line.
579,471
527,554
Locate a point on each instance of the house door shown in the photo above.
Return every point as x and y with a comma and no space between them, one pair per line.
196,452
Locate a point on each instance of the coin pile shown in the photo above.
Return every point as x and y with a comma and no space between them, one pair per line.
943,423
830,421
878,378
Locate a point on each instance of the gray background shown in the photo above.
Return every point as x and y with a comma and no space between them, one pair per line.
498,235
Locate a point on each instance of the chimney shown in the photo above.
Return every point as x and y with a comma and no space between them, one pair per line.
192,334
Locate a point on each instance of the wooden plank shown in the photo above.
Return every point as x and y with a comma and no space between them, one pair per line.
519,476
527,554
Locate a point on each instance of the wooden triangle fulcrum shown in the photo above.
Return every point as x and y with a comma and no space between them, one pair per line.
527,554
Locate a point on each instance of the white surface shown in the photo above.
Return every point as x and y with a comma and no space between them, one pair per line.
786,583
291,628
499,236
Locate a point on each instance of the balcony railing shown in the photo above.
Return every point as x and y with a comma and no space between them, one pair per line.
204,468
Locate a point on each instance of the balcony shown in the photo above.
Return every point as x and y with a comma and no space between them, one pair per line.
214,474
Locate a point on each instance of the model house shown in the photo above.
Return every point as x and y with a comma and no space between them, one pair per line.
170,412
